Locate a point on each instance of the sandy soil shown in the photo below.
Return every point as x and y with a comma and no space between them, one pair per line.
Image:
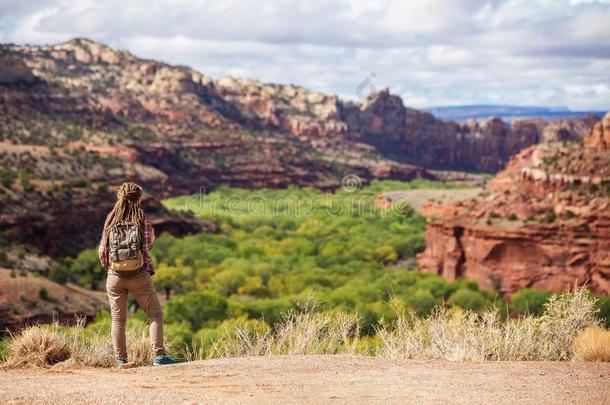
315,379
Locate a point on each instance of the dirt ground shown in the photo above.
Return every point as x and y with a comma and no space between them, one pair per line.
417,198
315,379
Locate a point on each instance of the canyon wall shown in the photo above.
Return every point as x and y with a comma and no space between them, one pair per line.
544,222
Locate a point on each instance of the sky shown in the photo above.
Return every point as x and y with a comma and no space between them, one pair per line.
430,52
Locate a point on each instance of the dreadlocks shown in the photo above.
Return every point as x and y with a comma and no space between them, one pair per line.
127,209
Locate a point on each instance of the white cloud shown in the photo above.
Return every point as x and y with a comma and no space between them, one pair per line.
553,52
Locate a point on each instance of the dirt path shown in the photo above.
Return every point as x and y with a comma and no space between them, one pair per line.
315,379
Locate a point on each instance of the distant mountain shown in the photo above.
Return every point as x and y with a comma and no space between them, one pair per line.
506,112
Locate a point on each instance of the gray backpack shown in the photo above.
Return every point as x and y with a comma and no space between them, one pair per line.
125,248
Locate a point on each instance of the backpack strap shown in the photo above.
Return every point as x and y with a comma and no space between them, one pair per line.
113,245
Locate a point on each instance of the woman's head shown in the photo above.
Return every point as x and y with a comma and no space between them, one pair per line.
127,208
129,191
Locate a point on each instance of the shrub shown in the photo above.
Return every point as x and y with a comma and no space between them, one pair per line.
20,251
592,344
529,301
179,334
196,309
88,270
466,283
4,349
385,254
228,282
78,183
603,310
25,177
270,310
421,301
102,188
43,294
371,314
59,273
550,217
201,346
408,246
467,299
7,177
437,286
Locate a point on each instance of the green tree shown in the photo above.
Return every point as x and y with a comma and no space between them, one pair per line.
529,300
7,177
421,301
179,334
43,294
603,305
253,286
228,282
385,254
60,273
196,309
25,178
170,278
87,269
467,299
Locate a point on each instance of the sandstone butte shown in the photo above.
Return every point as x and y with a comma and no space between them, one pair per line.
543,222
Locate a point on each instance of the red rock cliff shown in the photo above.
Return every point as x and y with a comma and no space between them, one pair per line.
544,222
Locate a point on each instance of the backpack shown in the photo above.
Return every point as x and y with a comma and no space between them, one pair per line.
125,248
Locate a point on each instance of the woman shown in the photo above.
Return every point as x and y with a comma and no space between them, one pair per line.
127,237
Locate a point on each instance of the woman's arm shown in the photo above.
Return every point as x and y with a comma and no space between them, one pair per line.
103,253
149,235
149,238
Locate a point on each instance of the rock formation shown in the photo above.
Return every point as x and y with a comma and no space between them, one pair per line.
544,222
80,116
600,136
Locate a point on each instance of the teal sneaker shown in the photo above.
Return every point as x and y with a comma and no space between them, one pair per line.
164,360
120,363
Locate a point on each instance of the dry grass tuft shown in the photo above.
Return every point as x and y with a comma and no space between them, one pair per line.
90,349
38,346
306,332
95,350
593,344
45,346
139,348
458,335
448,334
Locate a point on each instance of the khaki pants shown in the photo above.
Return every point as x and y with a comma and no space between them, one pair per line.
143,291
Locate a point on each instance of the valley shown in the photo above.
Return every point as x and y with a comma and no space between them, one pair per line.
303,198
